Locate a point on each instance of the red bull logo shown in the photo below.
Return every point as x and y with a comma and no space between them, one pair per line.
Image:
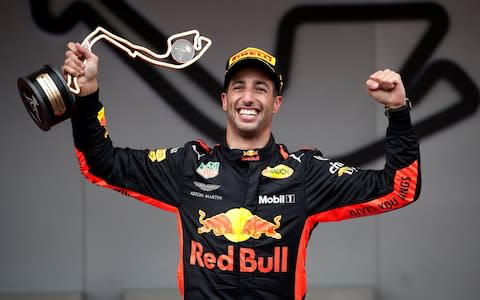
248,259
102,120
101,117
238,225
250,155
219,224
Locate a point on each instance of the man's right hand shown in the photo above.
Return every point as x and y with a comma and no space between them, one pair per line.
83,64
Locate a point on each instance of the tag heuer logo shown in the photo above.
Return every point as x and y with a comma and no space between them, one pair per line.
208,170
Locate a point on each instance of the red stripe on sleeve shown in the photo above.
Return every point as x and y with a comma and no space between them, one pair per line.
404,188
85,170
100,182
405,185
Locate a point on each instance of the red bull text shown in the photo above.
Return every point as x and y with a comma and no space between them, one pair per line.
248,259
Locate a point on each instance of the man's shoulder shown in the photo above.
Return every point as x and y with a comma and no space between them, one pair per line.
197,147
307,150
302,154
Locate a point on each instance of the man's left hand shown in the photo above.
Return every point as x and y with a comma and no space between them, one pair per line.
386,87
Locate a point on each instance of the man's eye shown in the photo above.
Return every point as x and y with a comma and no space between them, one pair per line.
261,89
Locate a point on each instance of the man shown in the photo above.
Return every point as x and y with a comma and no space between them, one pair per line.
246,207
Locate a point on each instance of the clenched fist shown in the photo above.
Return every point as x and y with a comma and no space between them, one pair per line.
386,87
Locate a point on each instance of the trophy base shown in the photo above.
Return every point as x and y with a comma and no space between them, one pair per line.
46,96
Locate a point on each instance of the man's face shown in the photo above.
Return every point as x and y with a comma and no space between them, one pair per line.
250,102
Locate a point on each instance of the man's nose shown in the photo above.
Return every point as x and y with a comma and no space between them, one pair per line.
249,95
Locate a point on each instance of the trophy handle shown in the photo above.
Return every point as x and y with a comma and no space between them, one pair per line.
200,45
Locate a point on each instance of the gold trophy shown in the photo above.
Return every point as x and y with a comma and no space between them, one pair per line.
50,100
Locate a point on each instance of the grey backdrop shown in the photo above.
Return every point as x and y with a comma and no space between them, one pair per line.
60,233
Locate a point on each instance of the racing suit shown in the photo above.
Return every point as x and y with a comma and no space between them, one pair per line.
245,217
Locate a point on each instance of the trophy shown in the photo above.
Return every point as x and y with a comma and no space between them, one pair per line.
50,100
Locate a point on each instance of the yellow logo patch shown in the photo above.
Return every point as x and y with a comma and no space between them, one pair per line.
252,53
157,155
278,172
102,120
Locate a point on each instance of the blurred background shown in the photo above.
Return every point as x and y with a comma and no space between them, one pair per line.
59,233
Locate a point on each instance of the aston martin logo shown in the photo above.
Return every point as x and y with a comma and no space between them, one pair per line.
206,187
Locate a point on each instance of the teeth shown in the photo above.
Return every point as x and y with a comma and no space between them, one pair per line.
250,112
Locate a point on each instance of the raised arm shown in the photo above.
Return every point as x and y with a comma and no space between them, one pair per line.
336,191
151,176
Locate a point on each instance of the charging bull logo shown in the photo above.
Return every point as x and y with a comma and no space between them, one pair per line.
238,225
102,121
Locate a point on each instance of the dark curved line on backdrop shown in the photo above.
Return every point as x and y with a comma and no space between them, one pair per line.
417,81
81,12
469,101
433,13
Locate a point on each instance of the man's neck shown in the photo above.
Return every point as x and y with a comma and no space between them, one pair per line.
246,143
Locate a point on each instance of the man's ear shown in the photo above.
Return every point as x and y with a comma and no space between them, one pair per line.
277,102
224,101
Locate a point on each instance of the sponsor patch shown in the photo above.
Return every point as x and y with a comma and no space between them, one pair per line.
250,155
340,169
205,195
102,121
208,170
252,53
297,158
276,199
199,155
206,187
280,171
238,225
101,117
157,155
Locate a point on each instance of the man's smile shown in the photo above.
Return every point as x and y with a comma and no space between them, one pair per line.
247,114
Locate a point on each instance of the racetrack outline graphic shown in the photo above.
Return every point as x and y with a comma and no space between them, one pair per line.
418,75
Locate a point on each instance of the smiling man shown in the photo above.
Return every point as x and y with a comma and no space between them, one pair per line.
247,206
250,99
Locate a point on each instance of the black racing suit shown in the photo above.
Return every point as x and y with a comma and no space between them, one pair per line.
245,217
